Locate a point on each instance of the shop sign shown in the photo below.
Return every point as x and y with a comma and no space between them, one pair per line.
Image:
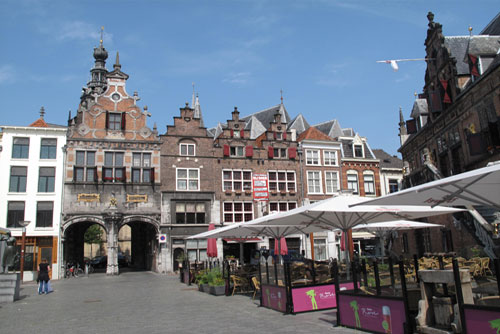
137,198
260,188
89,197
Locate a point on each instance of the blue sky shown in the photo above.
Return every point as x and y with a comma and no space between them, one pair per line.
321,53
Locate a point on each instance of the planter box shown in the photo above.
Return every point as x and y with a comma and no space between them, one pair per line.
204,287
218,290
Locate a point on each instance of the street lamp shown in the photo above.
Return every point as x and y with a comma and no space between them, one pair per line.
23,224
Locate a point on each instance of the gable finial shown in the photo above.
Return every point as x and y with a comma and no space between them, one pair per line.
281,93
102,34
42,112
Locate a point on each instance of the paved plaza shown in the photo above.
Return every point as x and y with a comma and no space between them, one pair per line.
145,302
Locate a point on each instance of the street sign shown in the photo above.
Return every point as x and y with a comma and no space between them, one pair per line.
162,238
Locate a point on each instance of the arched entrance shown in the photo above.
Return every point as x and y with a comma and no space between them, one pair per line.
138,244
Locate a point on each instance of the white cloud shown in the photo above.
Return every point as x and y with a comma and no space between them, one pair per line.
76,30
240,78
7,74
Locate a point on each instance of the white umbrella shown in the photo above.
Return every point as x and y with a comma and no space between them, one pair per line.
477,187
381,230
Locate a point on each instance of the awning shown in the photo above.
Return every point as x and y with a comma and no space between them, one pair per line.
362,235
242,240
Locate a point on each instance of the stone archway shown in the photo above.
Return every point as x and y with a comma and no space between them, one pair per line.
144,247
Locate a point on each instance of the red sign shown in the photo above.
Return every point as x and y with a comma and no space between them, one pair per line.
260,189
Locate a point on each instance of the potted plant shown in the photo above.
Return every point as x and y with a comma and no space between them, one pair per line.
202,281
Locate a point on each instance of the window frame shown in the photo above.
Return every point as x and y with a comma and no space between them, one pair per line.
336,173
228,184
313,157
234,151
372,182
196,214
43,214
327,161
142,168
349,182
278,183
187,145
49,180
20,179
48,151
321,244
10,213
280,153
85,167
290,205
20,151
112,122
390,186
243,212
114,168
354,150
187,178
319,182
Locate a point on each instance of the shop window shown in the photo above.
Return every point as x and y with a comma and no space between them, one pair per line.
196,250
320,249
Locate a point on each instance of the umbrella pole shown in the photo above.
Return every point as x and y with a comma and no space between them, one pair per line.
346,252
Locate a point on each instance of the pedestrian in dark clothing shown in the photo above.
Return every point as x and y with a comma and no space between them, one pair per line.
43,277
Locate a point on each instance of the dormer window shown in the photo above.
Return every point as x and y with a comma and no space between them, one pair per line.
358,151
187,149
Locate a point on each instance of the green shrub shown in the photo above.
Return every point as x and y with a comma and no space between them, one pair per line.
219,281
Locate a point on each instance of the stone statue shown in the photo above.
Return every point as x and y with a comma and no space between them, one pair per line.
9,255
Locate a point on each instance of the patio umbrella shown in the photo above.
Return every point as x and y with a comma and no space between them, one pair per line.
477,187
211,243
382,229
280,247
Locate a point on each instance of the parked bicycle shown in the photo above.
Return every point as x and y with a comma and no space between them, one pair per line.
73,270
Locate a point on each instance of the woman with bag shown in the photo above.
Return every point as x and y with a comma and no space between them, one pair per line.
43,276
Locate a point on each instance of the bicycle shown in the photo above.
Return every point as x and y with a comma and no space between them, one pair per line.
73,271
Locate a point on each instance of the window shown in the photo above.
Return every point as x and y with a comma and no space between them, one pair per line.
331,182
330,158
196,250
44,214
281,206
320,249
48,149
312,157
358,151
189,213
281,181
85,169
314,182
46,179
141,168
113,169
115,121
235,212
279,153
393,186
20,148
15,214
187,149
188,179
352,182
237,151
237,180
18,179
369,181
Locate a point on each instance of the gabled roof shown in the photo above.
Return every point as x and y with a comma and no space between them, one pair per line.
266,116
299,124
420,107
387,160
478,45
330,128
348,152
313,134
255,126
39,123
493,28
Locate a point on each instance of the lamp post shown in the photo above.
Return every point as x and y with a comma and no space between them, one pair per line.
23,224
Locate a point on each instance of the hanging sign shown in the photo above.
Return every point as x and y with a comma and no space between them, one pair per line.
260,189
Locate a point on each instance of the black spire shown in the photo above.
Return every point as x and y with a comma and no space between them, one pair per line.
98,80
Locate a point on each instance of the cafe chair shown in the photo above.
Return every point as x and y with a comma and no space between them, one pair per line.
256,286
238,283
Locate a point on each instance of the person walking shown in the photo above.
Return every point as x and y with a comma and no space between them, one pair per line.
43,276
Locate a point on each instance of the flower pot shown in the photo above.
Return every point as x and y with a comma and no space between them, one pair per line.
204,287
219,290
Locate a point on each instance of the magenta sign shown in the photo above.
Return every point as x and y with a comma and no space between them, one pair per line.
375,314
319,297
482,321
274,297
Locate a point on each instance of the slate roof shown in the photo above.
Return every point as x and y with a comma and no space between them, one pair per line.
387,160
420,107
477,45
330,128
348,153
299,123
493,28
266,116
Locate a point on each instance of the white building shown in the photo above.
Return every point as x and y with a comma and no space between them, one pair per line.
31,167
391,172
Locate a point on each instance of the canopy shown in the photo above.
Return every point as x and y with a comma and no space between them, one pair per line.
477,187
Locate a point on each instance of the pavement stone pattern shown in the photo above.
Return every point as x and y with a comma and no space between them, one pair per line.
146,302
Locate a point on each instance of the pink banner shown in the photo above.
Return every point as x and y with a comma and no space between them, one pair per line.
319,297
375,314
274,297
482,321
